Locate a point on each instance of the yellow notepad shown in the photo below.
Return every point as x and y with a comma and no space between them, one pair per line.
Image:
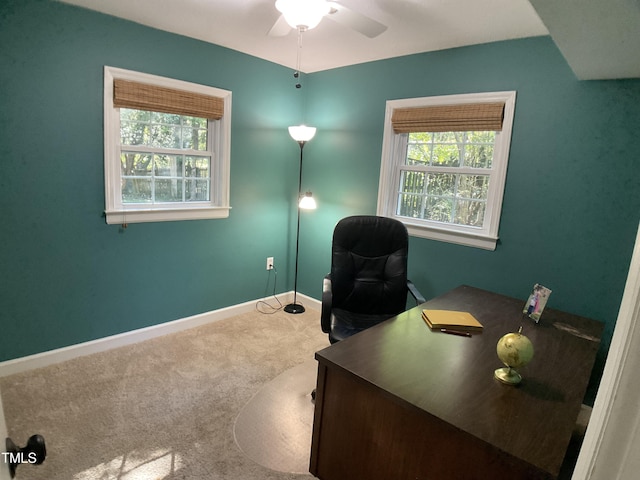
454,320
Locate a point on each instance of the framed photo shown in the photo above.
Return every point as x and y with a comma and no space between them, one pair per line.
536,302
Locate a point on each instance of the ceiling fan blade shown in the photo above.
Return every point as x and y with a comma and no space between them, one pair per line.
357,21
280,28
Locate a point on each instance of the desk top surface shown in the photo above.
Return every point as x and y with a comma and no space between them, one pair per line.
451,377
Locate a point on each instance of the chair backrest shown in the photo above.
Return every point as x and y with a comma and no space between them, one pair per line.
369,265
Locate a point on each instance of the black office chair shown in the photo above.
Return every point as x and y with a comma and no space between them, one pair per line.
368,280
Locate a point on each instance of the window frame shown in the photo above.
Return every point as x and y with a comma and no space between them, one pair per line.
394,150
219,136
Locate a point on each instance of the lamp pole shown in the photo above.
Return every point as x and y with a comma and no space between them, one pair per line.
302,135
295,307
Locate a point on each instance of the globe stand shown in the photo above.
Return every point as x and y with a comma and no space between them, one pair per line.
508,375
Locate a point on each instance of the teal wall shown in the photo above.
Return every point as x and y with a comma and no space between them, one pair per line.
67,276
572,199
570,209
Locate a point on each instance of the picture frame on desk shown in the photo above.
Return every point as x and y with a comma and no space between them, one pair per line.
536,302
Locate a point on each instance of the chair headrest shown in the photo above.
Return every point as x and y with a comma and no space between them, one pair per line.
370,236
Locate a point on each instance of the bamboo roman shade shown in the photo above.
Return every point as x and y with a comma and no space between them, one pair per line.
449,118
142,96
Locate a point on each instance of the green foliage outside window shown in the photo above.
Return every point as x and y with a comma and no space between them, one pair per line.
171,170
444,179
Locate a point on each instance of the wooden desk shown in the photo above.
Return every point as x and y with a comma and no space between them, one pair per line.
399,401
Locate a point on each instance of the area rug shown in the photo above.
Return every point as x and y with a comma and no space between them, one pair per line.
274,428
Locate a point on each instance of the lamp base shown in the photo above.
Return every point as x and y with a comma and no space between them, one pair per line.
294,308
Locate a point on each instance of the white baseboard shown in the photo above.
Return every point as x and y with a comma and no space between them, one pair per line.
38,360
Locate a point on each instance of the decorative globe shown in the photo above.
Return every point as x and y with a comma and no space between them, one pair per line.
515,351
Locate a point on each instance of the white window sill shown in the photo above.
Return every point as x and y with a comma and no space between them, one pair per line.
140,215
469,239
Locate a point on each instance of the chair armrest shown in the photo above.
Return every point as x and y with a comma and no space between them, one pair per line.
418,297
327,300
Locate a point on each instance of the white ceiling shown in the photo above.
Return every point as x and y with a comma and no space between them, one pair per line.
597,42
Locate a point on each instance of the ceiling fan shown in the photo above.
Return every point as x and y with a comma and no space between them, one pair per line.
304,15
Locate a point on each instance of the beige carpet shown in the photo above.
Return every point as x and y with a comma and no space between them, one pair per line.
160,409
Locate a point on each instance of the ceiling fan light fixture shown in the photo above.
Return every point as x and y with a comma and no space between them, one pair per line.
303,14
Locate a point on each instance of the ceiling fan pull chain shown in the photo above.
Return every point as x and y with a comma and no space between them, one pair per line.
296,75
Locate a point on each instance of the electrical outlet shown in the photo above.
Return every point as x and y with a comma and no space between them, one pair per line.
269,263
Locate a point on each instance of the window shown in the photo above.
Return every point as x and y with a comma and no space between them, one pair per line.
167,149
444,165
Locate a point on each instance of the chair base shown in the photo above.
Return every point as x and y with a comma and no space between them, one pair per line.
294,308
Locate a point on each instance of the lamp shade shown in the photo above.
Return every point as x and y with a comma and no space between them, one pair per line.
307,202
302,133
305,14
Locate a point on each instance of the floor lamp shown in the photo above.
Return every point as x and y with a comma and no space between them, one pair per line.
301,134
